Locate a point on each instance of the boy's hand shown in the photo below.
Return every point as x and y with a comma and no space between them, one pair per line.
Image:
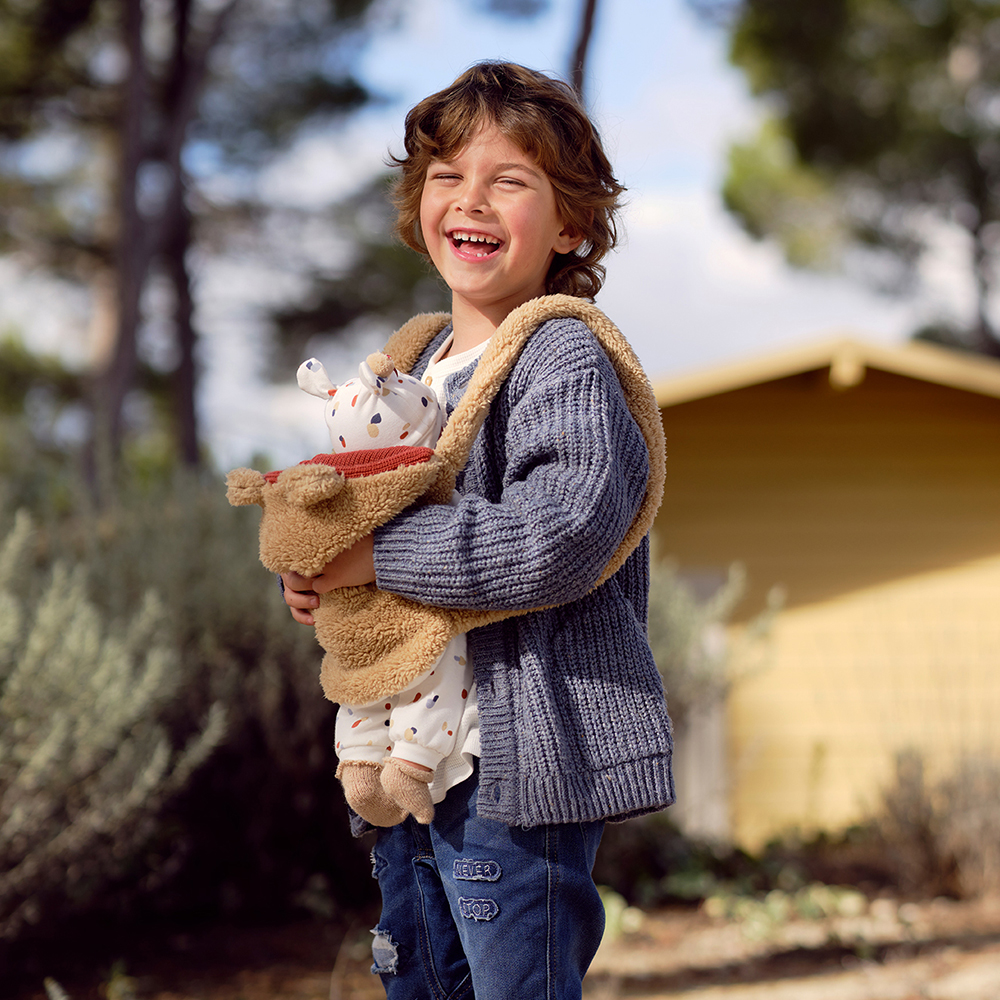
299,597
352,568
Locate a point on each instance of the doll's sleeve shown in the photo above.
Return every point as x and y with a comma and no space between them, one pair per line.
553,484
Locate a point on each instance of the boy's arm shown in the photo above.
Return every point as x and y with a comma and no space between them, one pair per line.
547,514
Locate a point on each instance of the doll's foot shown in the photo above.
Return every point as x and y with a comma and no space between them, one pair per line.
365,794
408,786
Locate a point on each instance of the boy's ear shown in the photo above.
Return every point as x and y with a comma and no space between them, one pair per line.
568,240
569,237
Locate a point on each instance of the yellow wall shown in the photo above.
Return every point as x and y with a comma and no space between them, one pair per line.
911,664
878,509
828,491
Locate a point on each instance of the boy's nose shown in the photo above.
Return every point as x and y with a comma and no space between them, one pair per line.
472,201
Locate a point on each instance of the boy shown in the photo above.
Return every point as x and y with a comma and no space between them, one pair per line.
505,187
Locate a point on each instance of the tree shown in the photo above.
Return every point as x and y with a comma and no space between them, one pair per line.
382,280
884,125
128,89
87,762
585,34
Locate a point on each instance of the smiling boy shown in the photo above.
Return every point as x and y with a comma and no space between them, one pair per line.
490,224
506,188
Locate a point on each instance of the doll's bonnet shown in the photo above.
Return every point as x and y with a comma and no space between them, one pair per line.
380,408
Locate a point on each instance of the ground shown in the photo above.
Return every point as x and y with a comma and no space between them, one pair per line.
939,950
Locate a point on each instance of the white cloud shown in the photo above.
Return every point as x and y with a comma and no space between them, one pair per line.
690,289
325,167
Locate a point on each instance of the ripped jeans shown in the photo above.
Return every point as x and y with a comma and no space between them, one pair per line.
473,908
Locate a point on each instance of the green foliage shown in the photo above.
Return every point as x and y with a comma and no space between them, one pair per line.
889,106
53,989
260,828
275,70
104,105
774,193
22,372
696,658
85,759
619,917
761,917
650,863
382,281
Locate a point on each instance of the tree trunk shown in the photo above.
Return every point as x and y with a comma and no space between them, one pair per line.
578,65
132,252
185,80
187,77
986,334
140,240
185,375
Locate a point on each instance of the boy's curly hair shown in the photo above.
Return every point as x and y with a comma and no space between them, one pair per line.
546,120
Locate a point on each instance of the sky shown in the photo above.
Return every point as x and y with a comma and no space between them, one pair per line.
688,288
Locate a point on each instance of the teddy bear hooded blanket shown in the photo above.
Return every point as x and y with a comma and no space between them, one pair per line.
376,642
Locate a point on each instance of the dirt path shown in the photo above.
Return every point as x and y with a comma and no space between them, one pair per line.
934,951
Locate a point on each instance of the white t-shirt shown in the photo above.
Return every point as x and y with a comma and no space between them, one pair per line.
458,765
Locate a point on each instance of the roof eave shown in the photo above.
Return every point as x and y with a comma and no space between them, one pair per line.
847,359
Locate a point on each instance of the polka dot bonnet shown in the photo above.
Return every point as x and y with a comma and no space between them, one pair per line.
380,408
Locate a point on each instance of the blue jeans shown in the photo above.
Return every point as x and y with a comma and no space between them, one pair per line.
473,908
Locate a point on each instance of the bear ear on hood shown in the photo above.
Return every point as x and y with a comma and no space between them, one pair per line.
306,485
245,486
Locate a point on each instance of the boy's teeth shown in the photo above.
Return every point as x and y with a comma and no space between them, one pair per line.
470,238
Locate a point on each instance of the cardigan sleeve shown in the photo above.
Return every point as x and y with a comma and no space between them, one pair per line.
554,481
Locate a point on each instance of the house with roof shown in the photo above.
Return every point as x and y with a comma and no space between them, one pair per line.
865,481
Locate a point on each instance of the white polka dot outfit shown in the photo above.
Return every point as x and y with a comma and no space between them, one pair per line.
434,721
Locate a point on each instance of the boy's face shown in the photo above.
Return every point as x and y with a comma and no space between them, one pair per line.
490,223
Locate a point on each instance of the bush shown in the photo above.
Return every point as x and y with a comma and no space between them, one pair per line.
263,829
260,828
942,835
696,658
86,762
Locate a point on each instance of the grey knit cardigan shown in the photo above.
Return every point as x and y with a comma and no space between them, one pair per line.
573,721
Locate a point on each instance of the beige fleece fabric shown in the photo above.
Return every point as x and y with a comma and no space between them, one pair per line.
375,642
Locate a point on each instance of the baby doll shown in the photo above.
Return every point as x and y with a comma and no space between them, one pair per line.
388,750
378,409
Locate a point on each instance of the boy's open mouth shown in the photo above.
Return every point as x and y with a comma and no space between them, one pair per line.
475,244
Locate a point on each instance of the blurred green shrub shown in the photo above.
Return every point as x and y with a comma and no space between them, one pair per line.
85,759
651,863
265,823
262,819
760,917
697,659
